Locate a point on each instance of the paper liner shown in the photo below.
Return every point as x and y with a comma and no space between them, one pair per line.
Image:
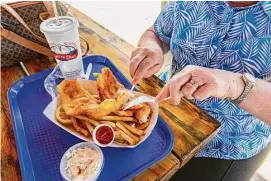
90,86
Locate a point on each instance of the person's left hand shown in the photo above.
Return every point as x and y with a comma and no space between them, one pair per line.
199,83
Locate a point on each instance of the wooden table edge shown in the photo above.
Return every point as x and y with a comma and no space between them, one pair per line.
197,149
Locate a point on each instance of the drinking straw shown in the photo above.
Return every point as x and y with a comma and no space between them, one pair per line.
56,13
24,69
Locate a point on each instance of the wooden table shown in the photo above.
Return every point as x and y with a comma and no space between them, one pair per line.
192,127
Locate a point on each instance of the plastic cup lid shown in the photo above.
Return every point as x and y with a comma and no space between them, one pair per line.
58,24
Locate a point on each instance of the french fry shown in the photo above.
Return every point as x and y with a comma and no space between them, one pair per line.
136,107
127,113
130,140
113,125
98,101
78,128
83,123
95,74
91,121
132,129
75,124
84,132
143,113
117,133
116,118
118,136
96,97
143,126
89,127
120,142
121,127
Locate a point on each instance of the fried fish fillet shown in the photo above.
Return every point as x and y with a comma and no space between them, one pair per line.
72,95
71,90
77,101
143,113
93,110
105,108
78,106
107,84
126,113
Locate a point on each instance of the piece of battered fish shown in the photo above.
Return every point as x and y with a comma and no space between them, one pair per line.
72,95
107,106
71,90
107,84
78,106
143,113
94,110
77,101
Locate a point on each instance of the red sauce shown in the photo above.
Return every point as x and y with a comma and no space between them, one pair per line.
104,135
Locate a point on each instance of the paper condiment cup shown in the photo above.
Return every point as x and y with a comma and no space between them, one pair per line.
95,134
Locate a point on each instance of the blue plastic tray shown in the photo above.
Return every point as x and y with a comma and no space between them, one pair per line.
41,144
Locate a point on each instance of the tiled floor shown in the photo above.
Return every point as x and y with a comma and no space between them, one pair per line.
129,20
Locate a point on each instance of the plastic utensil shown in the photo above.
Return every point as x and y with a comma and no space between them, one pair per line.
132,89
140,100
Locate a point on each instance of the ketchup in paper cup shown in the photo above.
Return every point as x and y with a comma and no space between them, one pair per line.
103,135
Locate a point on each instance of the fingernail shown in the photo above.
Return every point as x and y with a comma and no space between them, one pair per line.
157,99
176,103
134,81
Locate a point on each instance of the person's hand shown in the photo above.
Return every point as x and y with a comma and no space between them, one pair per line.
145,61
199,83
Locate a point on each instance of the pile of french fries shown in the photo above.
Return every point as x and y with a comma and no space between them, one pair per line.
128,130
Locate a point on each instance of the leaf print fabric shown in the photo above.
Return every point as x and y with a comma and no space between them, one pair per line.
215,35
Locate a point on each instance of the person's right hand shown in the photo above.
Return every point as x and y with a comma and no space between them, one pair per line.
144,62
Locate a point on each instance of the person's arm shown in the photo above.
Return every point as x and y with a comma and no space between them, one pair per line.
200,83
149,39
258,102
148,58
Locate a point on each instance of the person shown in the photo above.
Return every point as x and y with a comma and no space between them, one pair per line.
222,63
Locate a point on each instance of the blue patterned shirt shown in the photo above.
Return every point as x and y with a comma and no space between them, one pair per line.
215,35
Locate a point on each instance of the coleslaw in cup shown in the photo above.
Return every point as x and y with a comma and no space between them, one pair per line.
82,162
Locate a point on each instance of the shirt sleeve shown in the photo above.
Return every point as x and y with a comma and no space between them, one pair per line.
163,25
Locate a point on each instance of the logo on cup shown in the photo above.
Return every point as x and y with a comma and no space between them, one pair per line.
64,52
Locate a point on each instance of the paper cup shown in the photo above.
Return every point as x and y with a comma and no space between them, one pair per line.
63,38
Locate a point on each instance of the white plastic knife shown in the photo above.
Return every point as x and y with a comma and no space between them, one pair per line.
141,99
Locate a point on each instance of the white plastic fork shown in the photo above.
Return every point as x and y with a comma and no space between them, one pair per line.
131,90
141,99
